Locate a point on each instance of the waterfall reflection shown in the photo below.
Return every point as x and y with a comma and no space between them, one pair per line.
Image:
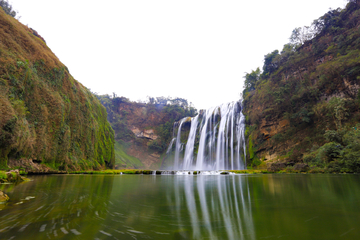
215,207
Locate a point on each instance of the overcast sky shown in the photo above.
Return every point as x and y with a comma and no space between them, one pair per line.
194,49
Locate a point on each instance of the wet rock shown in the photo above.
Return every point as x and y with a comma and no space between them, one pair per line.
3,197
14,176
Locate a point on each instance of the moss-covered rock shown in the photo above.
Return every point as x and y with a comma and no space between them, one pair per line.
45,114
3,197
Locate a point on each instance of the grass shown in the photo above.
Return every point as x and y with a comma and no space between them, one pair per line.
46,113
250,171
110,171
3,175
122,158
137,171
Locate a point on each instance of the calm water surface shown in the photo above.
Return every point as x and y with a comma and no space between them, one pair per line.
183,207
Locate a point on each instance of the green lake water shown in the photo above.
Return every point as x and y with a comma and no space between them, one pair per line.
269,206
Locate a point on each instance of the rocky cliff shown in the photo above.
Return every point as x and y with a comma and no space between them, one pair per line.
46,117
307,94
143,130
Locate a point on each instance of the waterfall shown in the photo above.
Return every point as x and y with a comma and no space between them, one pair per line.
189,150
178,146
215,140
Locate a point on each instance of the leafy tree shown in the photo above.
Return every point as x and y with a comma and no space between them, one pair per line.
271,63
302,34
7,7
288,49
338,110
329,20
250,80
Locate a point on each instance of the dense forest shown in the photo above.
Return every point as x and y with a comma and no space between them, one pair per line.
302,107
47,118
143,130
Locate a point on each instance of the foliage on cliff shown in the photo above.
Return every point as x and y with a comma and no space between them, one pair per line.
312,87
7,7
157,115
46,115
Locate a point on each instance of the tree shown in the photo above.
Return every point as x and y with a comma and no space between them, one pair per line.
338,110
250,80
271,63
328,20
6,6
302,34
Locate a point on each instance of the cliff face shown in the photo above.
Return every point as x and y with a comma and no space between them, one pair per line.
305,92
46,117
143,130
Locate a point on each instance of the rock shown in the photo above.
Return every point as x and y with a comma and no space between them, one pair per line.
14,176
277,166
3,197
149,133
301,167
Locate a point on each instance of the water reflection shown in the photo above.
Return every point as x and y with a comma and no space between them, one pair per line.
183,207
216,207
55,207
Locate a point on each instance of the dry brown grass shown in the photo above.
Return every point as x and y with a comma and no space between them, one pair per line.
55,116
18,42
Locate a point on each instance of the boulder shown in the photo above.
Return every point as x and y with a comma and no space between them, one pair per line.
301,167
3,197
276,166
14,176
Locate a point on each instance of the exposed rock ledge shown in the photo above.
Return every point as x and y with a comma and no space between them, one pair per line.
149,134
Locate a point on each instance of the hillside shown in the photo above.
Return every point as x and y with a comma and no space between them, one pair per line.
303,107
47,118
143,131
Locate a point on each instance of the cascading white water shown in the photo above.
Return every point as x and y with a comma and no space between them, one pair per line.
178,143
189,150
219,140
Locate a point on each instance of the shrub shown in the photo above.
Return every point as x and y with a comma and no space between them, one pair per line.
334,166
7,7
333,136
155,145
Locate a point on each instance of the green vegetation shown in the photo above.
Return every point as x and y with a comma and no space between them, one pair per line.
311,86
46,115
157,116
120,171
123,159
7,7
3,176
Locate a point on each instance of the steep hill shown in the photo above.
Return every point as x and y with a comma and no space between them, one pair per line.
46,117
303,107
143,130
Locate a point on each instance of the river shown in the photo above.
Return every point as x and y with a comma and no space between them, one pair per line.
268,206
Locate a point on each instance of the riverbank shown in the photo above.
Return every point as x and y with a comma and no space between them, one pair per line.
273,170
223,172
13,176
